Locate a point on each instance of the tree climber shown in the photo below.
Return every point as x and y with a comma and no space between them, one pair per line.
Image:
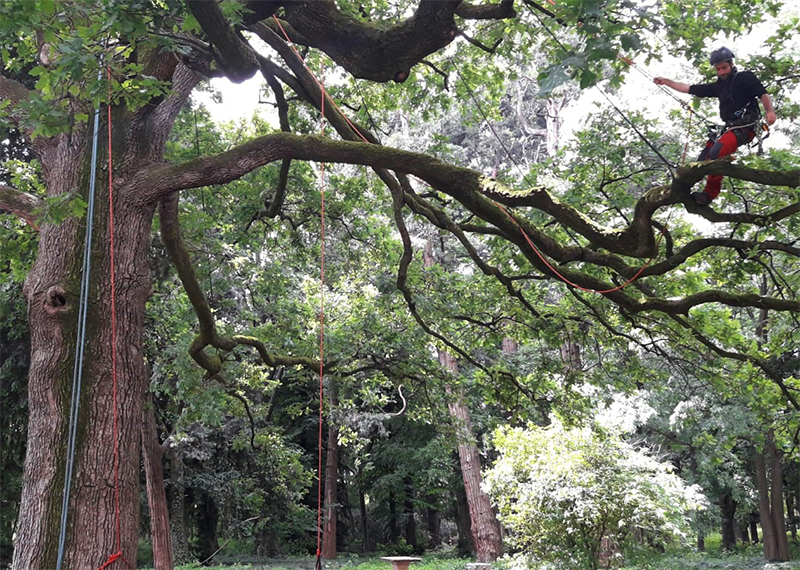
738,92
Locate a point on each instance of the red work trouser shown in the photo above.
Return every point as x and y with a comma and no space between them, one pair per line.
725,145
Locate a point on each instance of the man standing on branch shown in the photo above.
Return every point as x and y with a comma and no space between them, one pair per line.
738,93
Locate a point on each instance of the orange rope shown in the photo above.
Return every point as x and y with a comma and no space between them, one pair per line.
117,555
525,235
324,95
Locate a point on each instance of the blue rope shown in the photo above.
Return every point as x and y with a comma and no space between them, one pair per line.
77,372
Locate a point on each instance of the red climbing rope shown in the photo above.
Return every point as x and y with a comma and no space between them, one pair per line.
323,96
566,280
117,555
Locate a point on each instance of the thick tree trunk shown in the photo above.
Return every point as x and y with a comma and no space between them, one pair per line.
331,479
52,291
701,541
177,510
728,507
152,456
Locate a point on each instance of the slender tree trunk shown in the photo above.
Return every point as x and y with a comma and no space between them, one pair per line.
434,523
177,509
743,533
362,506
778,518
753,529
484,525
331,479
408,513
394,536
701,541
153,455
791,499
52,291
767,528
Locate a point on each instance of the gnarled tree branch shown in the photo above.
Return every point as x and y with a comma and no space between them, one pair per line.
21,204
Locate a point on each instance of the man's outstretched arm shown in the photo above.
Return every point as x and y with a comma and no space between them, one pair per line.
677,86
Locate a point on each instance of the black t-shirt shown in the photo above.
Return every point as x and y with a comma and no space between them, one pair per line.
739,92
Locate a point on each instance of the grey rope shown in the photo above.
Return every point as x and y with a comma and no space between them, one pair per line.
77,371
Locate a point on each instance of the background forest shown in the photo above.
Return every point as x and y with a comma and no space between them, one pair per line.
475,406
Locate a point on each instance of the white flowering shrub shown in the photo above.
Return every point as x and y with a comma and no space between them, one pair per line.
576,498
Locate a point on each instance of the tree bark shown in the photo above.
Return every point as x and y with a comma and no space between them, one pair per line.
701,542
778,518
771,551
177,510
483,523
153,455
753,529
331,479
52,291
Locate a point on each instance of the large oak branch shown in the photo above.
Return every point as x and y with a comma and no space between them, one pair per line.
21,204
378,52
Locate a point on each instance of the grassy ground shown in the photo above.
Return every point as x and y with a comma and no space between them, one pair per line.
749,558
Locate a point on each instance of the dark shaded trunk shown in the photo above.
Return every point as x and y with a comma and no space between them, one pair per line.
701,542
776,496
743,534
790,502
770,545
362,507
152,457
754,528
207,526
434,523
408,514
728,508
394,535
331,483
464,545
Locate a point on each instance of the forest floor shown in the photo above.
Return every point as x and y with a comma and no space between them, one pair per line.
746,558
675,561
